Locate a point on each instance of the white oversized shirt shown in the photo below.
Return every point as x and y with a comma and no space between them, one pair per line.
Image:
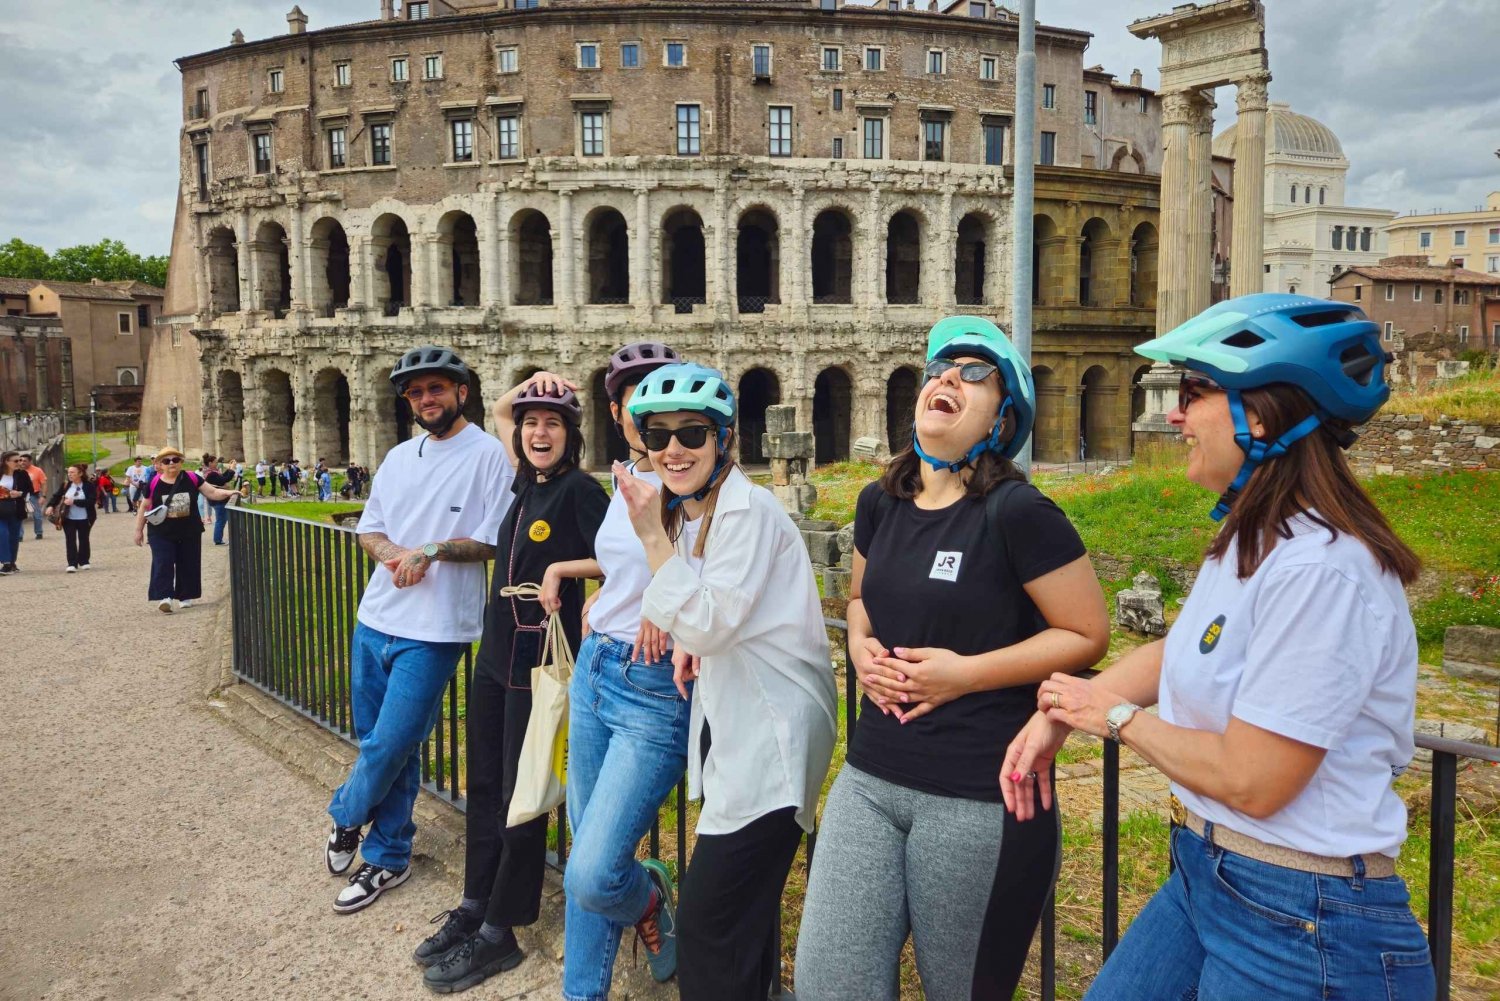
432,491
1317,645
616,613
766,687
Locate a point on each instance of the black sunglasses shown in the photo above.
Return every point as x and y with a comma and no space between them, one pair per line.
1192,387
974,371
691,436
171,462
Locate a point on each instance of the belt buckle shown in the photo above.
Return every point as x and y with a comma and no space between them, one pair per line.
1178,811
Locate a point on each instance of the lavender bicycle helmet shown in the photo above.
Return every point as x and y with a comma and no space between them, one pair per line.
636,360
534,397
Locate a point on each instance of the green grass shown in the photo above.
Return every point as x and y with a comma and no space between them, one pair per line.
1449,519
310,510
1474,397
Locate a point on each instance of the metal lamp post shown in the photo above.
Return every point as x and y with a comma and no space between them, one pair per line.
93,430
1022,199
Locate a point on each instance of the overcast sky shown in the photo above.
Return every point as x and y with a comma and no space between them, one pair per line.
93,103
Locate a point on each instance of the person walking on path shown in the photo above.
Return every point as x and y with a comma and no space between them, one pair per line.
15,489
39,490
732,583
219,477
1286,686
554,519
105,488
76,504
168,519
436,497
135,480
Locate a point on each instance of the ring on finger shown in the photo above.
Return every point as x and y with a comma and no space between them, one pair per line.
1056,701
1031,775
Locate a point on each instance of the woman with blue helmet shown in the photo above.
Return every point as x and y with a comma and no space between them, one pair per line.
732,583
1286,687
969,587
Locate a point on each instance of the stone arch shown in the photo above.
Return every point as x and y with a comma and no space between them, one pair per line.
903,258
1093,264
458,258
1128,161
1144,247
833,394
531,273
223,270
757,262
1138,393
390,242
607,250
972,260
1095,404
758,389
833,257
901,390
231,441
605,442
684,259
328,263
1046,261
273,268
278,414
331,401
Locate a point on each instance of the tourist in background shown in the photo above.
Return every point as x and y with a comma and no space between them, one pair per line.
262,469
168,519
75,504
969,588
105,488
1286,686
135,479
38,478
325,485
15,488
219,477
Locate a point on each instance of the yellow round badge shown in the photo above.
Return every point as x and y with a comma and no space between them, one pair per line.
539,531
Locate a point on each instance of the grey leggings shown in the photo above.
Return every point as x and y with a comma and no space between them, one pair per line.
963,877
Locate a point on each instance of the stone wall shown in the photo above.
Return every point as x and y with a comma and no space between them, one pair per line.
1410,443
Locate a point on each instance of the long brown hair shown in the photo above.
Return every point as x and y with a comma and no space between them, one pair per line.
572,451
673,517
1314,479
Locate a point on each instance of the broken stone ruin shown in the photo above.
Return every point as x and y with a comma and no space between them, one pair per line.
1140,607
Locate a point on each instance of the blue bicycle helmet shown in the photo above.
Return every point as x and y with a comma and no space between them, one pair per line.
1327,349
695,389
955,336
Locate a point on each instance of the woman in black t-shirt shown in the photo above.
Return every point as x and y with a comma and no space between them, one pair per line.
969,588
554,518
167,517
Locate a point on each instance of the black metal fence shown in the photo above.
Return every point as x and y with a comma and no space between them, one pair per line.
295,587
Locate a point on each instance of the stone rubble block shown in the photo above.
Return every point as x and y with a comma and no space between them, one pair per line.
865,448
822,547
836,583
1472,653
1141,608
787,445
1422,760
781,418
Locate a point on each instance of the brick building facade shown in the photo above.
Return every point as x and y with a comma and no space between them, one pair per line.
1431,308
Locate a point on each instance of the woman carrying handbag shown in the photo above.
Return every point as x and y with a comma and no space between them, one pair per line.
73,509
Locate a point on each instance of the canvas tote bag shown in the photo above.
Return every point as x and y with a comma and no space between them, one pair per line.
542,772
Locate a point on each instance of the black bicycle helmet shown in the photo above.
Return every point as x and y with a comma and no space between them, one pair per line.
428,359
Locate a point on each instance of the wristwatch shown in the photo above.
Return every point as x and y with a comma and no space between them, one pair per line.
1118,717
431,551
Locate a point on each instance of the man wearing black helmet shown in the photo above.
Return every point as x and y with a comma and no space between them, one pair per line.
431,499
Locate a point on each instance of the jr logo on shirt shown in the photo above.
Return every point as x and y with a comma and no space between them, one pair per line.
1210,638
945,566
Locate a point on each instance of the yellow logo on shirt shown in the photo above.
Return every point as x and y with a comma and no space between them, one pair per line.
1210,638
539,531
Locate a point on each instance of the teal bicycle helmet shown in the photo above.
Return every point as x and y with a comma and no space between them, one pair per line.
1327,349
694,389
955,336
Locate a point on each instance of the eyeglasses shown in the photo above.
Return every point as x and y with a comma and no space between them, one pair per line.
171,461
1192,387
974,371
691,436
417,394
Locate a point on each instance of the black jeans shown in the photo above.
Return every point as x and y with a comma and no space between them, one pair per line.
176,567
728,909
76,536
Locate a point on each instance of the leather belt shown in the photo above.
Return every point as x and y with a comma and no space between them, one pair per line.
1377,866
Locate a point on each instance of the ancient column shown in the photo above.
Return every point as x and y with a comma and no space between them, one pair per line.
504,248
489,258
249,281
1200,230
869,289
793,277
1248,240
565,298
1172,263
300,293
362,285
944,272
642,293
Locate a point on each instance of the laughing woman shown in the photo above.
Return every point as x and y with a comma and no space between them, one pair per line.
554,518
732,583
969,587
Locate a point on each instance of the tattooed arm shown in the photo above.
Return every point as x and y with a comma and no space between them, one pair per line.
380,547
409,566
465,551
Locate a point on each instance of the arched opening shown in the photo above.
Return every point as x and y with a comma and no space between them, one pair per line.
1143,250
391,244
900,408
273,269
231,441
1093,414
127,377
757,262
328,263
532,279
278,414
684,281
1046,261
832,257
759,389
474,411
607,247
223,271
458,258
1128,161
606,444
832,397
1048,439
969,263
1093,283
1138,394
331,417
903,259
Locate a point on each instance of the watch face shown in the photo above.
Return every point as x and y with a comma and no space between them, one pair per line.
1119,714
430,550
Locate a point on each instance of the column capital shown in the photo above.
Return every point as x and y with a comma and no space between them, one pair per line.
1250,92
1201,111
1176,108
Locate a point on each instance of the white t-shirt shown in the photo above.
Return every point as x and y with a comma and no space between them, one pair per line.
260,470
1317,645
432,491
79,510
135,474
616,613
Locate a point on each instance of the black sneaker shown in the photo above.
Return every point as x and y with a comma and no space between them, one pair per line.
366,885
473,962
459,926
343,842
6,569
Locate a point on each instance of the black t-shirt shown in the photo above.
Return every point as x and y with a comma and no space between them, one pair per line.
548,522
181,499
941,579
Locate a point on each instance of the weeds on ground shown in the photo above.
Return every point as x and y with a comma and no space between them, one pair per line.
1473,397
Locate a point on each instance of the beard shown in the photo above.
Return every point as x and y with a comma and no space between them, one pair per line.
442,424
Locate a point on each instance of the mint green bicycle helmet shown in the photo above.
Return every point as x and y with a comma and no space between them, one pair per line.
695,389
955,336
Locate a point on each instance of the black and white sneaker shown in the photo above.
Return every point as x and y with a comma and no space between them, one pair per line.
472,963
459,926
343,842
366,885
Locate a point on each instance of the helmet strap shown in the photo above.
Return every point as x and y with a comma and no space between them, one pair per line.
990,443
1257,451
721,438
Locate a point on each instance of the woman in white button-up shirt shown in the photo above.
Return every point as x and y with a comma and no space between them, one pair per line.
732,583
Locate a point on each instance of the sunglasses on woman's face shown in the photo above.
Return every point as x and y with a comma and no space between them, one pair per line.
690,436
171,462
1192,388
973,371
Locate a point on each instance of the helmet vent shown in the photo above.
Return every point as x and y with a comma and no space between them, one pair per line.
1321,319
1244,339
1358,363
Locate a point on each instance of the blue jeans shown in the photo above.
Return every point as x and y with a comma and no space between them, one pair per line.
11,531
37,507
627,747
221,518
396,694
1225,926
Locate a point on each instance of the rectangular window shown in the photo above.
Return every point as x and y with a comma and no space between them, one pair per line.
1049,149
689,134
1460,238
588,56
989,67
508,128
528,4
275,81
1390,292
399,72
507,59
1359,292
935,62
461,130
1338,238
780,131
200,110
838,99
262,145
630,55
1460,297
1416,293
1145,104
1492,264
418,10
1388,331
838,147
1463,335
1437,296
1458,262
676,55
200,153
432,67
124,323
1424,239
760,55
1049,95
874,131
1494,230
932,140
875,61
343,74
337,148
994,143
828,4
380,144
833,58
591,124
977,8
1090,107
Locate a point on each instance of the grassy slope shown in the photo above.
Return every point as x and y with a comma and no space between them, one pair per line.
1474,397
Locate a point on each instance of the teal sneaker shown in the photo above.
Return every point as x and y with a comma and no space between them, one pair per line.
657,931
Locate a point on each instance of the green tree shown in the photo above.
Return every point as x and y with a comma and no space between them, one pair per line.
19,259
107,260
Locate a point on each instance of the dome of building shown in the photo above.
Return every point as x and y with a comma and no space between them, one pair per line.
1288,134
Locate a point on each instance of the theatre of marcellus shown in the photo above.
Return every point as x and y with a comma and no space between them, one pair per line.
792,192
